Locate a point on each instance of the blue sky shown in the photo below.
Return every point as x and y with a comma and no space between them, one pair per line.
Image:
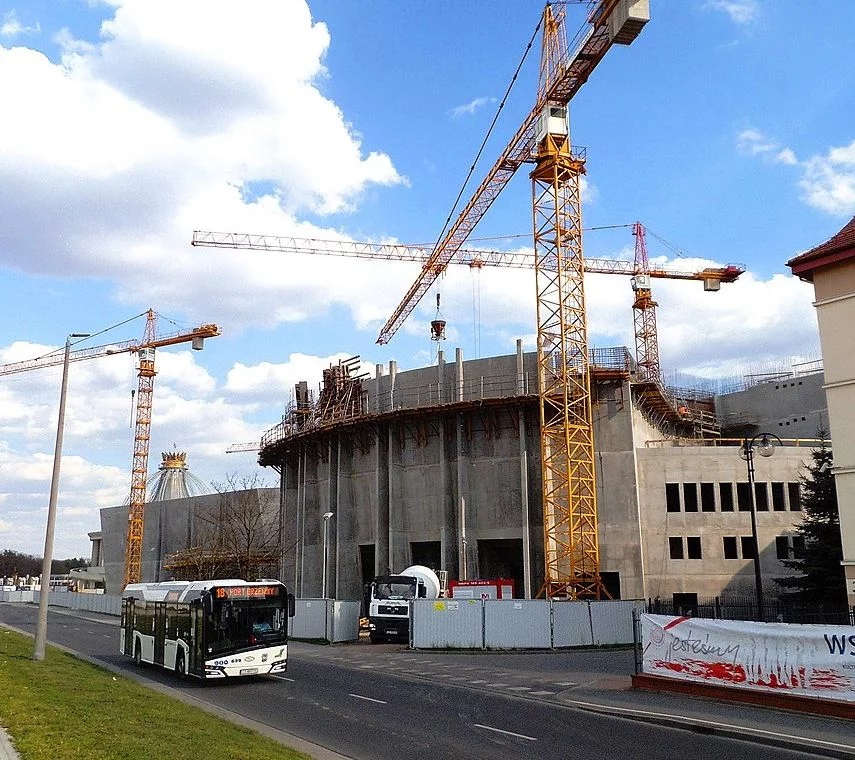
726,128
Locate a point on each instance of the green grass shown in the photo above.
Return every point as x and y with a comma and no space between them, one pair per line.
66,709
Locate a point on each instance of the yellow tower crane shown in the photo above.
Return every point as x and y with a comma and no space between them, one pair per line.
571,545
145,349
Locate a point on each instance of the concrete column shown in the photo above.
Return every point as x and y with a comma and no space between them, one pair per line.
381,513
334,455
526,529
458,355
440,374
393,374
378,373
464,551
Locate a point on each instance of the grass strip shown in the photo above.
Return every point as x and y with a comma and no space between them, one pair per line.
67,709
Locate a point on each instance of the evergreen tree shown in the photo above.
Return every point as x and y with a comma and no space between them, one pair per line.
822,579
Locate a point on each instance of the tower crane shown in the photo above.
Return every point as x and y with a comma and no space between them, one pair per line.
644,307
145,349
571,544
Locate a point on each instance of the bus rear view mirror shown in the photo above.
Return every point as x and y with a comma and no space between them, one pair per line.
291,609
207,603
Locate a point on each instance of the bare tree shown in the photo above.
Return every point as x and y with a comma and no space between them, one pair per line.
234,538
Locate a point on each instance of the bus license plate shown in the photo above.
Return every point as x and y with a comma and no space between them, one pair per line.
248,671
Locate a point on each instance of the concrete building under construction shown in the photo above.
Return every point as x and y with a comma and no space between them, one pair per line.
441,466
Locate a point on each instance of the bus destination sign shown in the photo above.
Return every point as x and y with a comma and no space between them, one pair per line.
245,592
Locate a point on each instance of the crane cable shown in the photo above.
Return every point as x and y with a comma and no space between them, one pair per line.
489,132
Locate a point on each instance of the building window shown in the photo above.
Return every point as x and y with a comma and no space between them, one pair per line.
778,497
693,547
675,547
787,547
743,497
795,497
725,495
730,551
672,497
748,547
690,497
708,497
782,547
761,492
798,543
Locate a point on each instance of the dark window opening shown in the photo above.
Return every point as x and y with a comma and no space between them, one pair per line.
778,503
686,604
748,547
761,494
782,547
675,547
725,494
795,497
611,582
708,497
690,497
798,547
693,547
730,550
743,497
672,497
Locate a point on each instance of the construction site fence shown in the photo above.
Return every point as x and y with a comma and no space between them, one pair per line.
520,623
327,620
104,603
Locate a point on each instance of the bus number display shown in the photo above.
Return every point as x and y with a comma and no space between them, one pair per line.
245,592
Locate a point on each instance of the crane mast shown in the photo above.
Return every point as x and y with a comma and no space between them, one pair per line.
644,313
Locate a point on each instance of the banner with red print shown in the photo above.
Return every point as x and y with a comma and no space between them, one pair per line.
809,660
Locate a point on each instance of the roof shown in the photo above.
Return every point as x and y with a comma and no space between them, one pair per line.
837,249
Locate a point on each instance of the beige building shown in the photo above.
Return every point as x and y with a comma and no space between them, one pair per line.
831,269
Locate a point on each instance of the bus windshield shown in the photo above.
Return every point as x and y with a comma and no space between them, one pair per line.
239,624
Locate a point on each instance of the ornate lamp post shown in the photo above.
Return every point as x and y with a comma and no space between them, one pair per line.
765,448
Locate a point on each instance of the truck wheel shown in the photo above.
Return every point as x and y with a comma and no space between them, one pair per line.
375,639
137,654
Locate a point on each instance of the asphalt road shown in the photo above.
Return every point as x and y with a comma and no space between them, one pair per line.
385,702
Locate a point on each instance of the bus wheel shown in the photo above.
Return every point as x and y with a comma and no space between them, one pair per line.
181,665
137,655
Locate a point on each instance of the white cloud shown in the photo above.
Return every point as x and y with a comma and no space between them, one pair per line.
11,27
467,109
828,181
740,11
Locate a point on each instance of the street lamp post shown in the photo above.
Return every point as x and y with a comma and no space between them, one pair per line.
326,517
47,561
765,448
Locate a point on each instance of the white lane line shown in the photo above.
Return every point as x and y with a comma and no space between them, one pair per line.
542,693
564,683
517,688
506,733
478,680
368,699
285,678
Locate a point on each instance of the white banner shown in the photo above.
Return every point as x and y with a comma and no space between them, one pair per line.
809,660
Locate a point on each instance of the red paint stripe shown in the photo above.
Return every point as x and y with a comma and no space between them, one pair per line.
676,621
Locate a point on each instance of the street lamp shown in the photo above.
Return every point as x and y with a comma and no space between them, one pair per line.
44,591
326,518
765,448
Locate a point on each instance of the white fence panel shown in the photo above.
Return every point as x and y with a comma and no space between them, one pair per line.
344,622
310,619
571,624
517,624
611,621
447,624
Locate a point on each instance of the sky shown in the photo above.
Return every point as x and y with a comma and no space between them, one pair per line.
726,128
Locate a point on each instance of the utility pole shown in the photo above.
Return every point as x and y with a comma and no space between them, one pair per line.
44,591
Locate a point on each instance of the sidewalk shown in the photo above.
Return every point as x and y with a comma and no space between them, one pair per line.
7,751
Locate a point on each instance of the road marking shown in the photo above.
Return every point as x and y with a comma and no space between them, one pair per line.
478,680
285,678
507,733
564,683
541,693
368,699
496,685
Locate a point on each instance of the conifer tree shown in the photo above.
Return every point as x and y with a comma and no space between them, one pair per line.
822,579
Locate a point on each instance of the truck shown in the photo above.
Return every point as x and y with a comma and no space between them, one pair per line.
389,598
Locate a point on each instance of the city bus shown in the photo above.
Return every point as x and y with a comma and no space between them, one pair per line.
208,629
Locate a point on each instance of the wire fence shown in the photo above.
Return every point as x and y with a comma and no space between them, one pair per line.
780,610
